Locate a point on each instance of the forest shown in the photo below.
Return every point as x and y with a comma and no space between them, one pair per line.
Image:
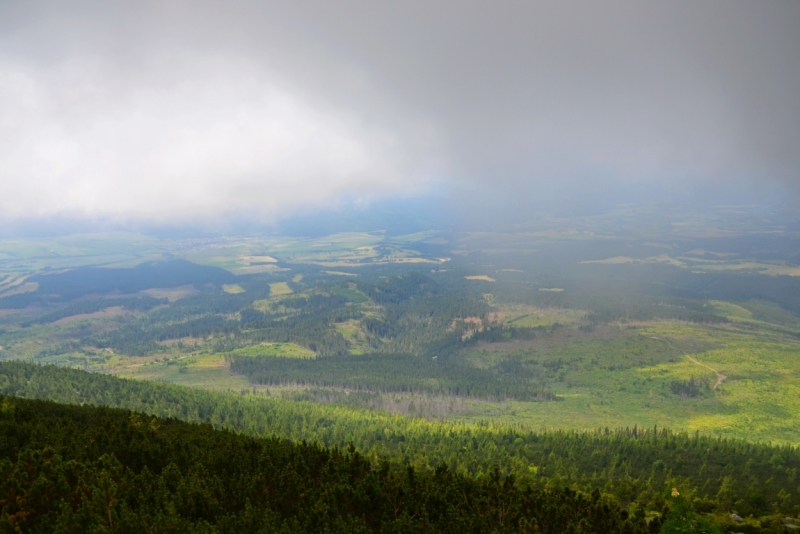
81,468
634,467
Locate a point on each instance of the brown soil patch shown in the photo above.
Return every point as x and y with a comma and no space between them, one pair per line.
114,311
170,293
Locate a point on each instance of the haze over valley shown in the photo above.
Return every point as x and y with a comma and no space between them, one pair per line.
399,268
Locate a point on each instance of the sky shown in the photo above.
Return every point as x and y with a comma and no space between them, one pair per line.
174,112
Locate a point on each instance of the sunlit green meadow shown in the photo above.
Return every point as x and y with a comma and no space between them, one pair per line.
758,398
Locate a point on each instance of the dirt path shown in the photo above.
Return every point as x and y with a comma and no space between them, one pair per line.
720,377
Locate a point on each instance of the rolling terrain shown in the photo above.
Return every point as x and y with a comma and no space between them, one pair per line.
585,326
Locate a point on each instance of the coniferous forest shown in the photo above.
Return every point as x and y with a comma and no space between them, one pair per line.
566,397
538,473
81,468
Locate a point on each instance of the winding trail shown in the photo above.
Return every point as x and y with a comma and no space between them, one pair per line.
720,377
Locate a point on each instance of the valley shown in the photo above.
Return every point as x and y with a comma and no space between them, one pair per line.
405,346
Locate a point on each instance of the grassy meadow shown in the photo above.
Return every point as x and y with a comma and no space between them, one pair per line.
609,382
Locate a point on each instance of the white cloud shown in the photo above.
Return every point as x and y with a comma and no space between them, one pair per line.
174,111
179,137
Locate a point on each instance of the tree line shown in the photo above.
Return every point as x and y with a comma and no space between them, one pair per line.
635,466
92,469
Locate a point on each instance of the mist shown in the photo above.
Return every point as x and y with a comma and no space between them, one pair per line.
187,113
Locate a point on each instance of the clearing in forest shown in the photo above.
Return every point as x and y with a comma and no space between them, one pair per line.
276,350
233,289
279,289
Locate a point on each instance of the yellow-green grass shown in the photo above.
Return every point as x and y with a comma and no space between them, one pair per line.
763,268
249,260
279,289
759,399
31,255
531,316
233,289
339,273
263,305
276,350
764,318
350,250
761,394
208,371
732,311
719,263
703,252
240,256
351,331
11,280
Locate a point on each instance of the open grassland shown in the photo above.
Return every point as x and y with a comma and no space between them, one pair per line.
233,289
760,395
351,330
760,267
279,289
109,249
208,371
248,256
532,316
606,381
483,277
276,350
720,263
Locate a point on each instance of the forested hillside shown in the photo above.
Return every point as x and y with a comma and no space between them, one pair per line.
89,469
637,467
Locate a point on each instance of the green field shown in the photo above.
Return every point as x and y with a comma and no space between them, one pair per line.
279,289
208,371
275,350
609,383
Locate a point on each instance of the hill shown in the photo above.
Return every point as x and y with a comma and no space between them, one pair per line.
82,468
635,467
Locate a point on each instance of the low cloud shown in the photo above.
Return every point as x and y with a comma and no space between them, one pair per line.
185,111
186,137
